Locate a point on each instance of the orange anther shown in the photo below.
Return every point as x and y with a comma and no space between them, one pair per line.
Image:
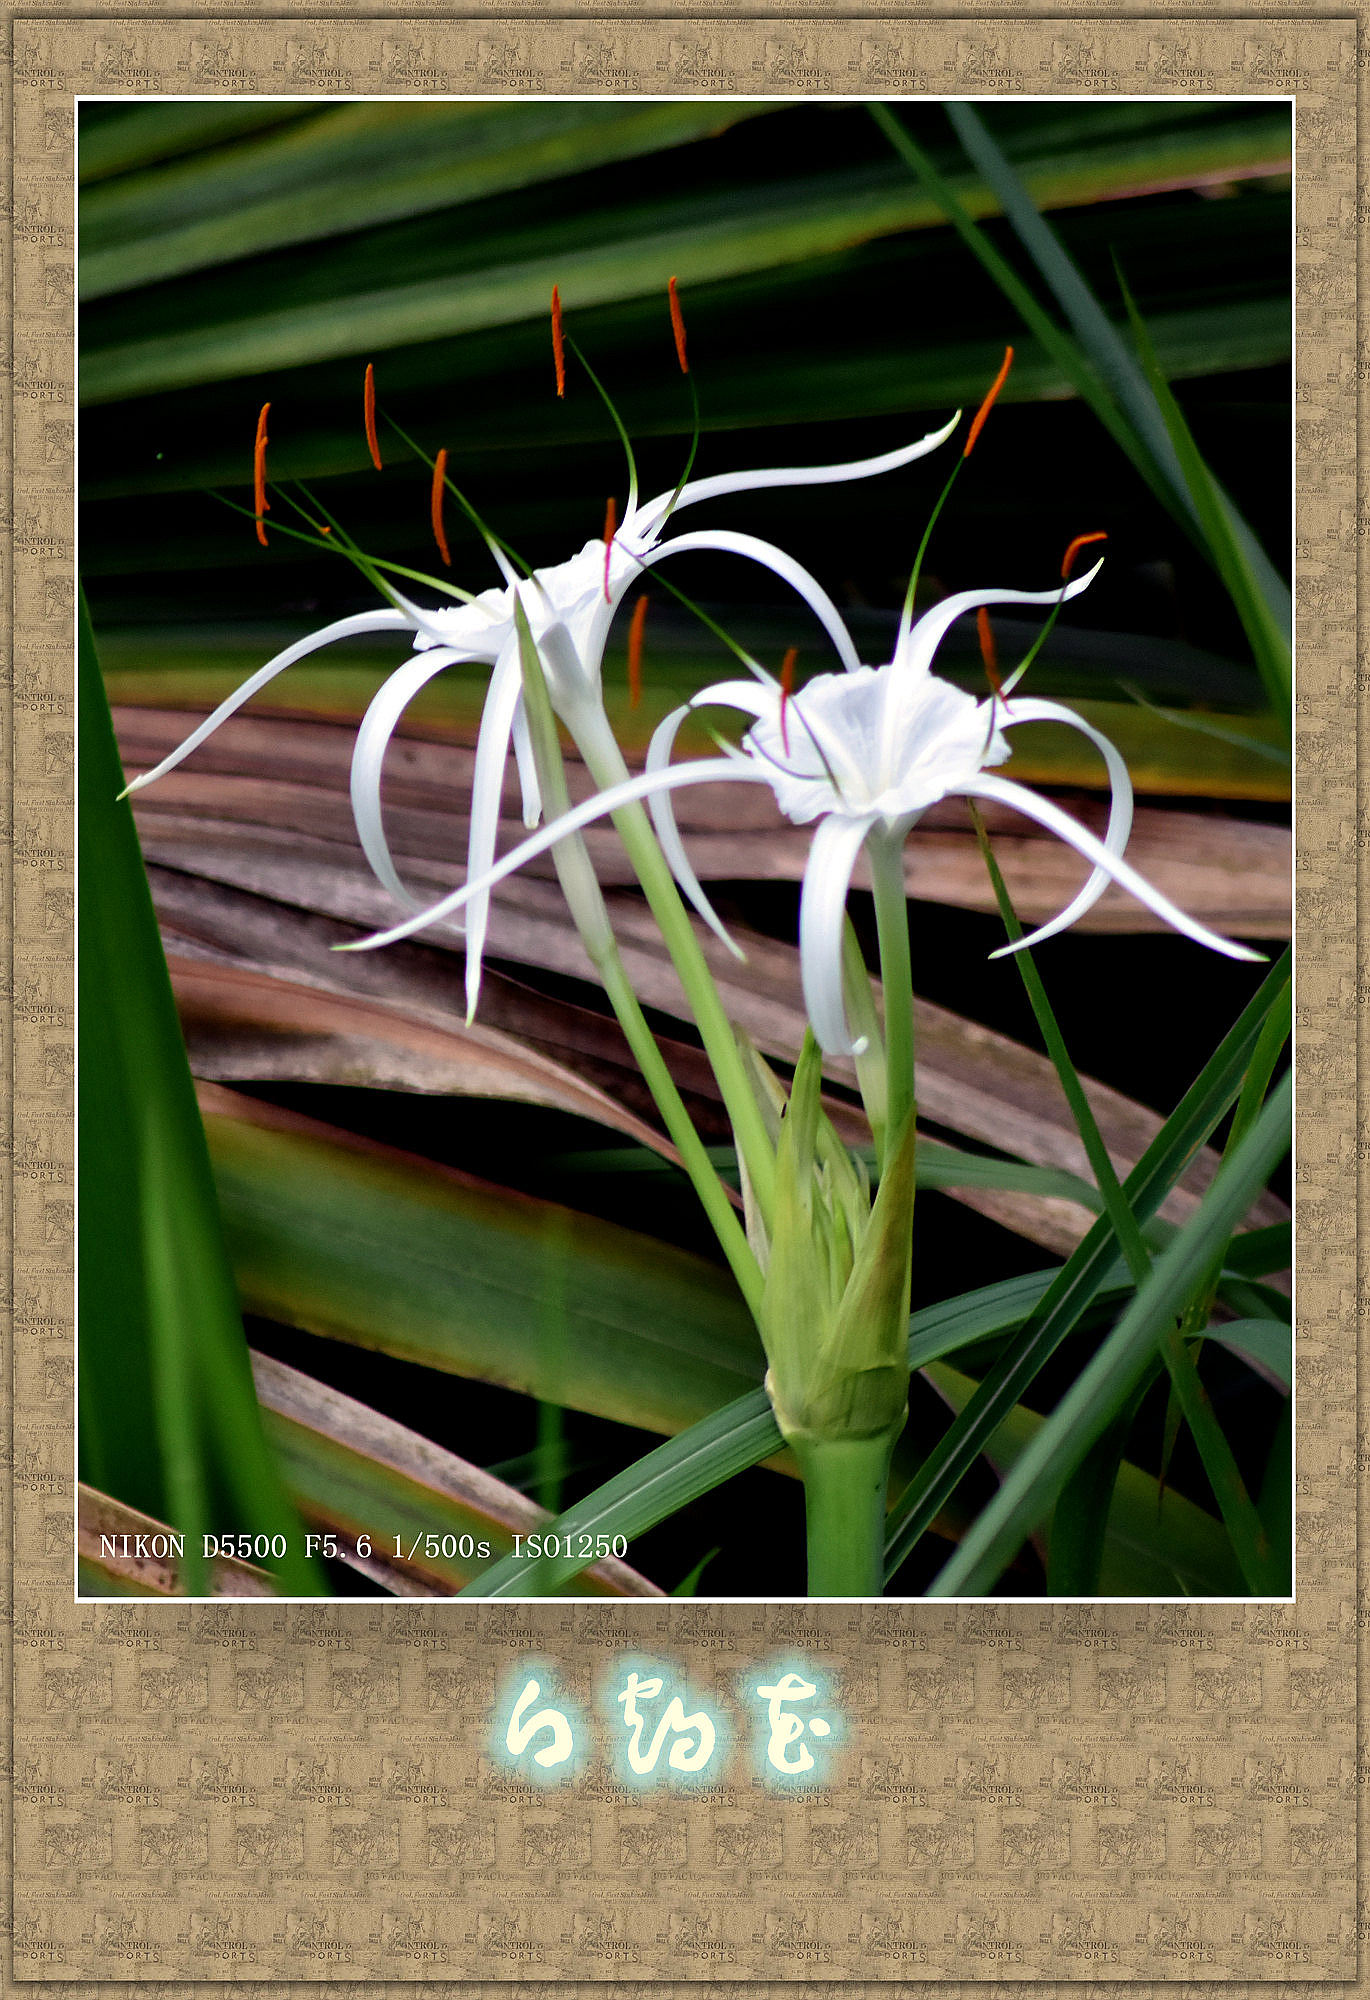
635,652
610,530
980,415
439,487
988,651
786,690
558,342
1080,542
677,326
259,500
369,413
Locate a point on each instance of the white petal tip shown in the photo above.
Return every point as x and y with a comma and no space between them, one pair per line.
133,785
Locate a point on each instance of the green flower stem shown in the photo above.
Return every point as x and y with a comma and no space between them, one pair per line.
845,1485
600,750
896,975
585,900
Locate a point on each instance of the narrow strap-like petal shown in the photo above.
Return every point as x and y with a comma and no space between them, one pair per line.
709,770
528,770
918,642
1005,792
721,483
753,700
1119,805
502,699
342,628
723,541
822,914
378,726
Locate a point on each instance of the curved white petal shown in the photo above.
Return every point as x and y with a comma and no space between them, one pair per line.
822,912
528,770
720,483
1122,872
709,770
378,725
502,699
724,542
918,642
663,817
1119,807
342,628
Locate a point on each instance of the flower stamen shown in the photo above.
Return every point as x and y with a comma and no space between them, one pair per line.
439,489
978,422
635,652
1080,542
261,504
786,690
610,530
677,326
989,653
373,444
558,342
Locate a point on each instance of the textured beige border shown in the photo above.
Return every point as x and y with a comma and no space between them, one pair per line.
1101,1793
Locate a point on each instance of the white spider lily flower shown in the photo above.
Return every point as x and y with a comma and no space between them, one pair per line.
570,607
864,754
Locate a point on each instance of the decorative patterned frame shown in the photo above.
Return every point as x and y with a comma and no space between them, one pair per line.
1111,1793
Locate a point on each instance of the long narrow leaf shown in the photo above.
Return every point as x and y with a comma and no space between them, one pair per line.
1080,1278
169,1421
1087,1407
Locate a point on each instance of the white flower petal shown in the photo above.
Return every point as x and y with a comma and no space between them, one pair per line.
918,641
822,913
723,541
709,770
1122,872
502,698
721,483
1119,808
528,770
378,725
723,693
342,628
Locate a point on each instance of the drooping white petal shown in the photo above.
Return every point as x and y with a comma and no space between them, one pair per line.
1122,872
502,698
720,483
918,641
342,628
1119,806
822,913
752,700
528,770
723,541
378,725
710,770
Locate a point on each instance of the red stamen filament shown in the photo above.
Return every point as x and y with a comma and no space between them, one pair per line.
439,487
786,690
369,413
988,651
678,326
980,415
259,499
610,530
558,343
635,652
1080,542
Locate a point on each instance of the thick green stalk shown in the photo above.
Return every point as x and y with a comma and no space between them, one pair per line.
604,760
845,1485
896,978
